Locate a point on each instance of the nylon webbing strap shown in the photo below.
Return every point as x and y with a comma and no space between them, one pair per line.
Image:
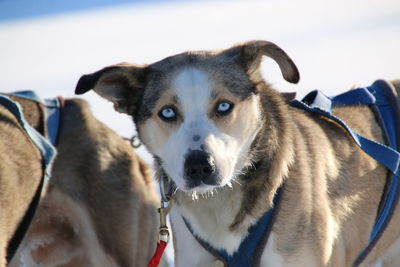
46,149
385,155
250,250
387,109
52,115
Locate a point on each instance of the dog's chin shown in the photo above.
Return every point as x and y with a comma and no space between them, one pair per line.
197,186
203,189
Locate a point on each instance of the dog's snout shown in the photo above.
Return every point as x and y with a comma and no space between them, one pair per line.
200,167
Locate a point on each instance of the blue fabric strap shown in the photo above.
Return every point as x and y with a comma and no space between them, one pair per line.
246,255
378,97
53,119
359,96
52,113
46,149
385,155
386,113
387,109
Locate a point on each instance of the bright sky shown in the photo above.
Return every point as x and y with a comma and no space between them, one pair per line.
335,44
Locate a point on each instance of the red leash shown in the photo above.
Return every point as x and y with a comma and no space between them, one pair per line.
163,234
155,260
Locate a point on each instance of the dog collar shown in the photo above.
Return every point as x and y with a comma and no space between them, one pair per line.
167,188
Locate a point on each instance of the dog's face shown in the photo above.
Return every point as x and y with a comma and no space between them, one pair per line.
197,113
199,129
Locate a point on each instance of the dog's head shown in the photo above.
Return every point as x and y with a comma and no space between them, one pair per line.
198,113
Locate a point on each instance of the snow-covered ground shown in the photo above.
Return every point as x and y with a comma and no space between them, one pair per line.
335,44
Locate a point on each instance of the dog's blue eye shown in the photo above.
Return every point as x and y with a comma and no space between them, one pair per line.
167,114
224,107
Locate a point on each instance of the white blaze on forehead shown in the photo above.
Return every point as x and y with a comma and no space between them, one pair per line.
192,87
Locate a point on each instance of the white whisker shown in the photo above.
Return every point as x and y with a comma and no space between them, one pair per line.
194,195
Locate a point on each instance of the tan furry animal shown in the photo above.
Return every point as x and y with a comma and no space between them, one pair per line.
100,207
20,175
228,141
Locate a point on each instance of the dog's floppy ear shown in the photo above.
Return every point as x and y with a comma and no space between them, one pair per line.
249,56
122,84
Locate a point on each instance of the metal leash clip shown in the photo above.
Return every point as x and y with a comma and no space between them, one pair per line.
164,210
167,202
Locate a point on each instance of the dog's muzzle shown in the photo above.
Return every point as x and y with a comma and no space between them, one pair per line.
200,168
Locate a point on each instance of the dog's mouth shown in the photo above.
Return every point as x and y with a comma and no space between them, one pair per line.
197,188
199,173
200,186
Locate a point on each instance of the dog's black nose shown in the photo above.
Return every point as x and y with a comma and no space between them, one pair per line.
200,167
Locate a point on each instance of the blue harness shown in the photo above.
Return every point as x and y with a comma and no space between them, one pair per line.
45,146
382,98
250,250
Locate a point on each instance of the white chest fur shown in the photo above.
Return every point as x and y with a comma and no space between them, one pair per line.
210,219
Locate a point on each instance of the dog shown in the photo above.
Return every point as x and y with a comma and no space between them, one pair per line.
228,141
99,207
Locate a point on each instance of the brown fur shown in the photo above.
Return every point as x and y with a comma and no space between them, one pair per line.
100,206
332,181
331,188
20,175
